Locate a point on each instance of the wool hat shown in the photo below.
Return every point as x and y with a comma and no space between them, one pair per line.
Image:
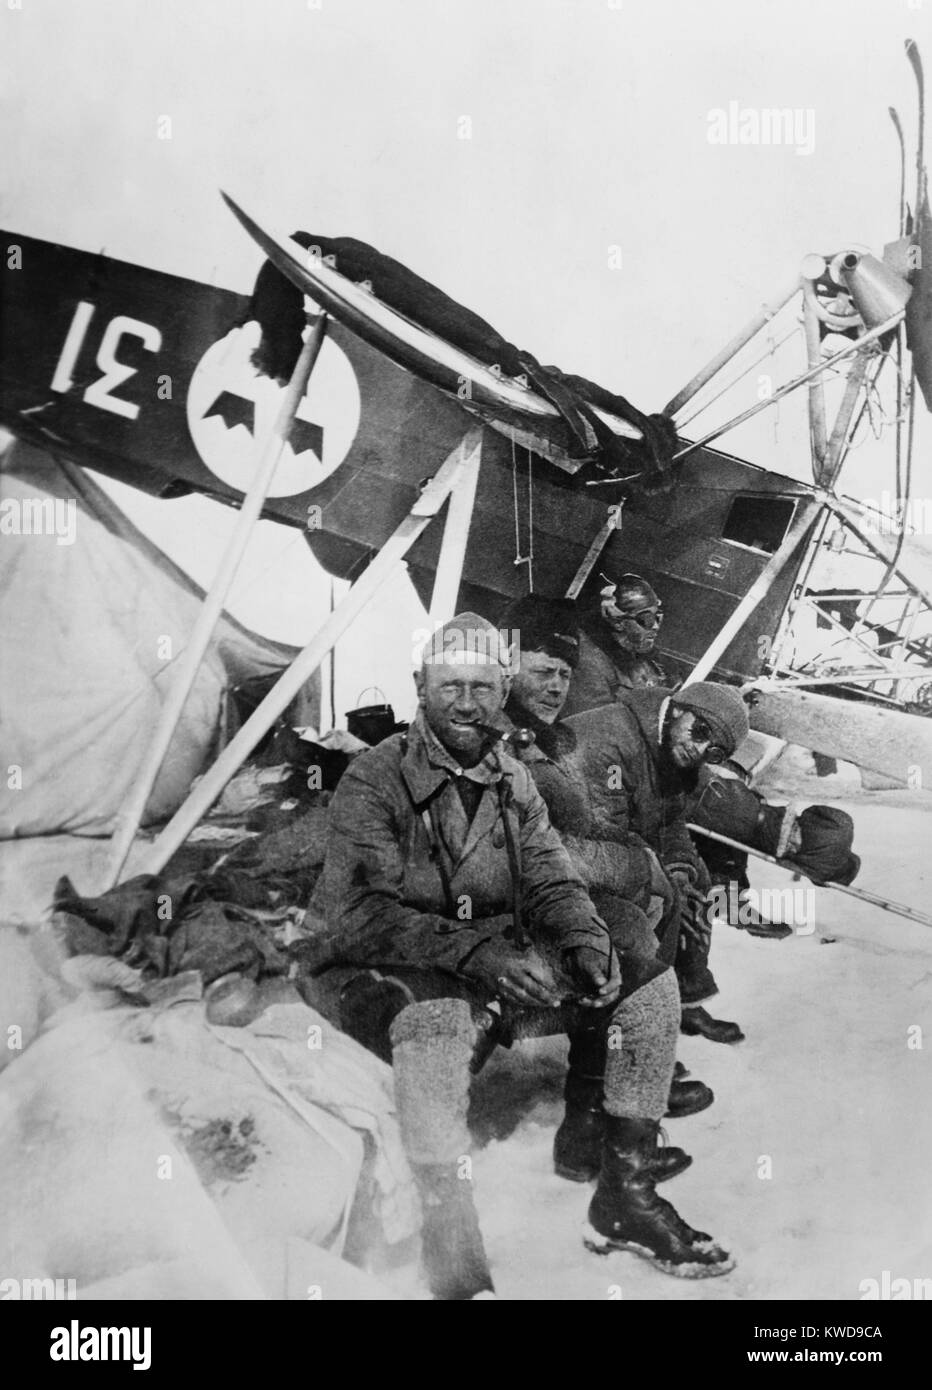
539,624
825,852
466,640
722,706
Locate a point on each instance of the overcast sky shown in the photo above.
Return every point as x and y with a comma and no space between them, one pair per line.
587,124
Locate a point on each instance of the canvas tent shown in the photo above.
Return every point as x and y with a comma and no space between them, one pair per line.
268,1143
94,618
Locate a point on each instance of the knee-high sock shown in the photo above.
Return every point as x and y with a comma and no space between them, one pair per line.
641,1050
432,1044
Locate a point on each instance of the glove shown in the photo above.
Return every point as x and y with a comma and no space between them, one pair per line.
597,975
524,977
684,877
695,916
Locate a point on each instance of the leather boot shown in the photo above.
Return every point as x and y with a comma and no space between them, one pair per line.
452,1251
696,1021
688,1098
745,916
577,1144
626,1214
667,1160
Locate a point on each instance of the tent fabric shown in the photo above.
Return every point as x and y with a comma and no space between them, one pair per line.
94,618
268,1130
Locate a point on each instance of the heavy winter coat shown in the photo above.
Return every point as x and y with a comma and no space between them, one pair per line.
617,876
553,763
605,674
631,794
382,900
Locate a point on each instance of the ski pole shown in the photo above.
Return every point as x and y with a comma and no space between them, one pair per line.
888,905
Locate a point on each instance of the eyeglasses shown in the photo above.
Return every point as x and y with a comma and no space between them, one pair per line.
647,618
704,733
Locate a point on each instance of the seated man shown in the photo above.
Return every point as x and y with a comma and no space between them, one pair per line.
446,905
616,640
640,760
619,877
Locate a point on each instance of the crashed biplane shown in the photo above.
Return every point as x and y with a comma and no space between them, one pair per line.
397,406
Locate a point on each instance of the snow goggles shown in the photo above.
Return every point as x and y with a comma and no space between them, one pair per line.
647,618
703,732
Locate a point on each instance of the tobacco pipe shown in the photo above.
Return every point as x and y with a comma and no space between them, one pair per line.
511,738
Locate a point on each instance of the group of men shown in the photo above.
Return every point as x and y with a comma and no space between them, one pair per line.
502,871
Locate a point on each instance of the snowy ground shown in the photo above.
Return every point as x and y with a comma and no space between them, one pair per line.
825,1087
813,1164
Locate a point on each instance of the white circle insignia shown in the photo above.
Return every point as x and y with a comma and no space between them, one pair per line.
231,407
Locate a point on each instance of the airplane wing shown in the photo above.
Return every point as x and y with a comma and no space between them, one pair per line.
149,378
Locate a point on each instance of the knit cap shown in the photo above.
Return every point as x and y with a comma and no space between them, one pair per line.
723,708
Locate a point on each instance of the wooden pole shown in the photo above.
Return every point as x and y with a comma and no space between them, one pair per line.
306,663
873,736
597,545
449,573
134,808
867,673
887,904
731,349
758,591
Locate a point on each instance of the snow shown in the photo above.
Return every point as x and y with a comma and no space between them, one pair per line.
812,1165
826,1086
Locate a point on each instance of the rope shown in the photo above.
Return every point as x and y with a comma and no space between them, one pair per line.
530,521
520,559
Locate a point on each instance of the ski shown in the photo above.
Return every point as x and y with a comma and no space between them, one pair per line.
899,134
915,62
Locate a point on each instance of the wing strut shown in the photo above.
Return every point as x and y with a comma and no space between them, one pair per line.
190,663
425,508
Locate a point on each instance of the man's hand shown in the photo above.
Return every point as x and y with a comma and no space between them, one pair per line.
694,919
694,929
599,977
659,880
524,977
694,909
693,898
